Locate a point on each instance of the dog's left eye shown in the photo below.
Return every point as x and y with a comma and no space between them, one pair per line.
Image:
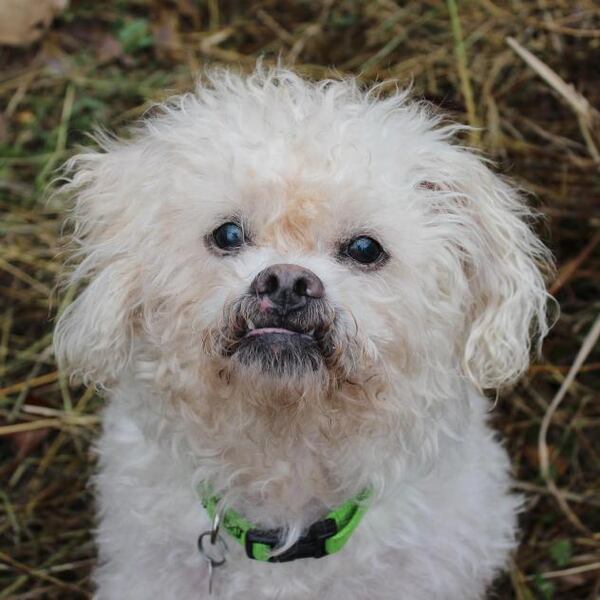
365,250
228,236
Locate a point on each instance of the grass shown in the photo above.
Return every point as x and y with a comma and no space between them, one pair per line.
106,63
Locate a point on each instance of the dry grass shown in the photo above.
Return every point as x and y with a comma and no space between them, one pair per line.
526,72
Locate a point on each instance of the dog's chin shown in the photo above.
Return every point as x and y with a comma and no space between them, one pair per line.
277,352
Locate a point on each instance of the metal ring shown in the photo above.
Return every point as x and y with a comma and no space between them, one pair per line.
219,542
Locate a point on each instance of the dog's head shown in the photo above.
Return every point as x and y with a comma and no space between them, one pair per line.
287,239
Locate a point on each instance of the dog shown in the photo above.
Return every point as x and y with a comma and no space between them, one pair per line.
296,294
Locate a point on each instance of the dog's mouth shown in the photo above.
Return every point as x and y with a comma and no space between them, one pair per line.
279,351
294,327
253,330
285,345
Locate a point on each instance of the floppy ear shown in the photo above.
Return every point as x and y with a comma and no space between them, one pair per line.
93,337
504,262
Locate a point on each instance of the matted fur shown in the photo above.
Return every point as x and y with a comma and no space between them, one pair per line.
394,404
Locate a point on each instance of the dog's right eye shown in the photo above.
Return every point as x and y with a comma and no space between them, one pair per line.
228,236
365,250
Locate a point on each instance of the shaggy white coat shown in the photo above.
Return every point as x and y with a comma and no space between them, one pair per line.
305,166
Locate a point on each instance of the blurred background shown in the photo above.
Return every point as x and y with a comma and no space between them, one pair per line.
525,73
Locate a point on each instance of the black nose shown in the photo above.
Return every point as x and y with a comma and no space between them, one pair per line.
287,286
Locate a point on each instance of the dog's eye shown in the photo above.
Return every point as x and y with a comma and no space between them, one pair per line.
228,236
364,250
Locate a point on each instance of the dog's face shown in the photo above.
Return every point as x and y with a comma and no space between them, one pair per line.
288,240
302,273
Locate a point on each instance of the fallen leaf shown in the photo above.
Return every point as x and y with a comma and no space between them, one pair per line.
26,442
559,463
189,9
24,21
165,30
109,48
25,117
3,129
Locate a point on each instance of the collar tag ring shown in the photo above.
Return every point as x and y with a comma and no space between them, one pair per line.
213,553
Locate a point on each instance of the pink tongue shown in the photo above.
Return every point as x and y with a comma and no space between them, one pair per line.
270,330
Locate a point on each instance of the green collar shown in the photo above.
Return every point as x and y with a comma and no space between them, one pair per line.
322,538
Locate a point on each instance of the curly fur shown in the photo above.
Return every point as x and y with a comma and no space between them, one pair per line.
395,404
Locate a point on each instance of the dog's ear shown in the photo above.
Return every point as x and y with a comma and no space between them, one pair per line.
94,335
504,263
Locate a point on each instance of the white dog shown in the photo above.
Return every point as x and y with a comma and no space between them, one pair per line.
297,292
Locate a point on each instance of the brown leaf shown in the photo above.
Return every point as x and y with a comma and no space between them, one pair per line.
165,30
24,21
26,442
558,462
25,117
3,129
189,8
109,48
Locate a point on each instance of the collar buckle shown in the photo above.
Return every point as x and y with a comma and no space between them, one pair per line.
259,543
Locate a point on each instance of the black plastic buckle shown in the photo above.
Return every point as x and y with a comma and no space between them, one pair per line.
310,545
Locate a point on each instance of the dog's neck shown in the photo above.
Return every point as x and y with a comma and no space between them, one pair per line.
290,463
287,458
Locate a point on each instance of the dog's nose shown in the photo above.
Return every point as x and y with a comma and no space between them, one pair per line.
288,287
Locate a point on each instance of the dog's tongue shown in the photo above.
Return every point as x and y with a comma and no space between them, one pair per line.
270,330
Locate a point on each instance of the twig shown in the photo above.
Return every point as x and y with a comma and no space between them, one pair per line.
61,140
25,278
525,486
463,71
588,343
30,383
569,269
282,33
313,30
587,368
40,575
568,572
76,420
582,108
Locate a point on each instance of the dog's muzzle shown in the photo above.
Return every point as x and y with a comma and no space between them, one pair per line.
284,324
